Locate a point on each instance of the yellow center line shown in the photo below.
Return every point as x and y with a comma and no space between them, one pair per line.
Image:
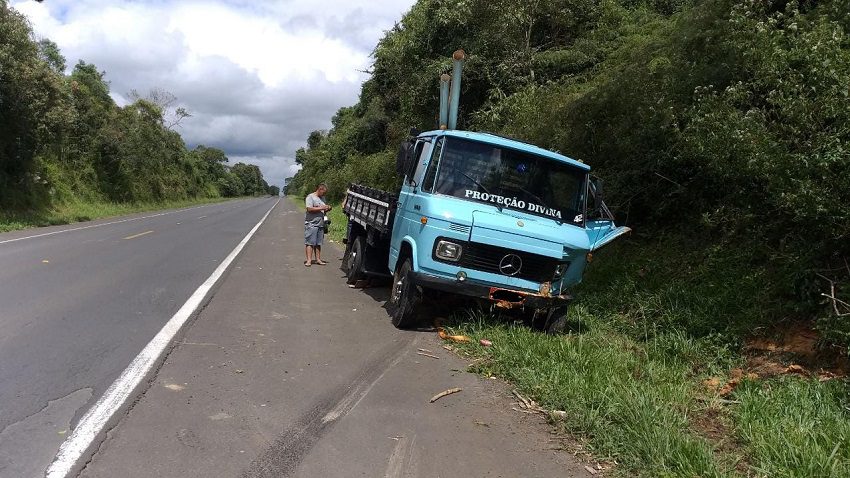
138,235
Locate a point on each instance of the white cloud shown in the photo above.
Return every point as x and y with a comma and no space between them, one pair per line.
256,76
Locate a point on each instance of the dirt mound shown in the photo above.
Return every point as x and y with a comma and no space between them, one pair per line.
794,350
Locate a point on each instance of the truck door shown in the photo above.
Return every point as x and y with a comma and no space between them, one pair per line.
407,218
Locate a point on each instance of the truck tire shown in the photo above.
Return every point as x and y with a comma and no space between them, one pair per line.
405,298
355,261
556,320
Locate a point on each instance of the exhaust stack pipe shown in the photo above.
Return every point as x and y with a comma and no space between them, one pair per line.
444,100
458,57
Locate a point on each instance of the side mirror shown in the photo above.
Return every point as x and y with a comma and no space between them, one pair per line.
413,153
598,191
596,194
599,209
401,159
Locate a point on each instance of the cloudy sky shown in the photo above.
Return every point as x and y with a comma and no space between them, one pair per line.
256,75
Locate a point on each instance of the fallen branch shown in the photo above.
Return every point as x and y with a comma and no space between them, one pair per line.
521,399
443,394
831,295
529,404
427,355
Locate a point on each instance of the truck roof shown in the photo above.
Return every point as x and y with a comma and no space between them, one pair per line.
508,143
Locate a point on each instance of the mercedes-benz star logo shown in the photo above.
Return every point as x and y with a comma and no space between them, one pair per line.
510,265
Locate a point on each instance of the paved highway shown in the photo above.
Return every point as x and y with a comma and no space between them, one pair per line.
79,302
285,372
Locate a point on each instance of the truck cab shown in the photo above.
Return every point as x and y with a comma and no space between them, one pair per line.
493,218
478,215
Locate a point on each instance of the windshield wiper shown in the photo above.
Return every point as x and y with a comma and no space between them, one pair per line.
499,206
476,182
541,202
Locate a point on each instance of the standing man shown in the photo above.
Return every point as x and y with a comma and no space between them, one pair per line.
314,223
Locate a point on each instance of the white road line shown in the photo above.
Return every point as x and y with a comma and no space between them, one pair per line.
104,224
94,421
138,235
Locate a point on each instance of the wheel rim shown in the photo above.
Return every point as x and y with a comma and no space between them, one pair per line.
398,286
352,256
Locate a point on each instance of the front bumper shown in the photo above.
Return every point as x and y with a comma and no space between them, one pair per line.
503,297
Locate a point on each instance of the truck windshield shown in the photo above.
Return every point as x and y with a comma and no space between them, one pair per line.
508,178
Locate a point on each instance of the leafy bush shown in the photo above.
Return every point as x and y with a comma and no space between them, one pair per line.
719,120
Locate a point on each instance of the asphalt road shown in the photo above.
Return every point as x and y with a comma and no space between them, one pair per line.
78,303
287,372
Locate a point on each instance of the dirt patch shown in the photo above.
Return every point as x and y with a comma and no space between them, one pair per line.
712,423
795,350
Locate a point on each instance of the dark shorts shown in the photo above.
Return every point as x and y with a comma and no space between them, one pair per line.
313,234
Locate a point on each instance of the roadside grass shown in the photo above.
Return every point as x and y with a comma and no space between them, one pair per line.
630,400
649,325
796,427
78,211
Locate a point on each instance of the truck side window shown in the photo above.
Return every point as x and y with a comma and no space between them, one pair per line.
431,173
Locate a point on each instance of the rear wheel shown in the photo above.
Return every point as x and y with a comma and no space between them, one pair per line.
355,260
405,298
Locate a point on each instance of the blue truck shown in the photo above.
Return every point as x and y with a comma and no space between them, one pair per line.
478,215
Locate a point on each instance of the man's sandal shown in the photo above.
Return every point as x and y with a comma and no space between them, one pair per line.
321,263
306,264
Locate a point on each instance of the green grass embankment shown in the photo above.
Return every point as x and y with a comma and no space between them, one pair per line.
650,325
79,211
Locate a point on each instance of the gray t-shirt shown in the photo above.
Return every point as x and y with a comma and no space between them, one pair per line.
314,201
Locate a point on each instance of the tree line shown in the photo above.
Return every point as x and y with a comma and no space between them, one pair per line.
63,137
719,121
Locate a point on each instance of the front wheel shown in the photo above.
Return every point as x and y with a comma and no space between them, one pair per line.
556,320
405,298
